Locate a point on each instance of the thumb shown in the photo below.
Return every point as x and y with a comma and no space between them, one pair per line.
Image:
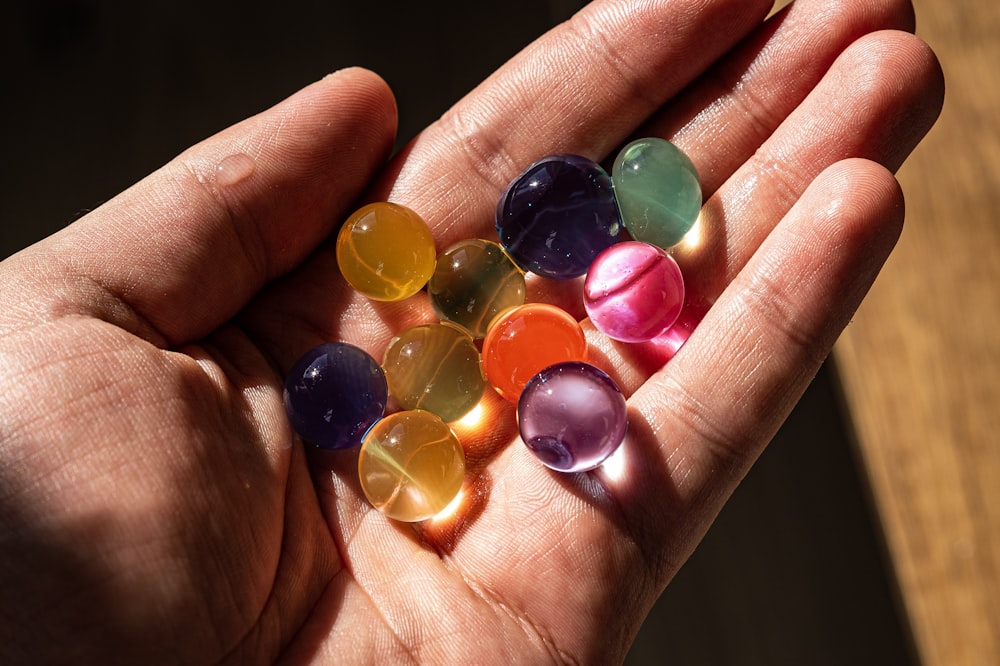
184,249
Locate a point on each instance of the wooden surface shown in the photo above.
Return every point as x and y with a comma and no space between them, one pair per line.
920,365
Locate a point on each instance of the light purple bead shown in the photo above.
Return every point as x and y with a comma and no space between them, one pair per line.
633,292
572,416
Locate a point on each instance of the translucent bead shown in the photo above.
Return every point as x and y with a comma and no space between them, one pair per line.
475,281
558,215
524,340
386,251
658,191
633,291
411,466
333,394
572,416
435,367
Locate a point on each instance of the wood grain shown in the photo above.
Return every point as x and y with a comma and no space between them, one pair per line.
920,365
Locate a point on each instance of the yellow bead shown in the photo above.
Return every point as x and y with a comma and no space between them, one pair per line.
435,367
411,465
386,251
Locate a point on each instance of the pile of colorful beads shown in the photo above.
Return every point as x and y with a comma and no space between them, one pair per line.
561,219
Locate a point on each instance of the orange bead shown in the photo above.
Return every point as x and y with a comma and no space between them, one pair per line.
525,340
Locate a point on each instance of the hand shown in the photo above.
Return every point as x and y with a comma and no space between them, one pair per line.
154,505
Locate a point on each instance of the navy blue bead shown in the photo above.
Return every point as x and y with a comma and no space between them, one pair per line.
558,215
333,394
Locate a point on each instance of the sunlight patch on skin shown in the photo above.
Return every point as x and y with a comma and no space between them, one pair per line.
474,419
451,510
692,240
614,468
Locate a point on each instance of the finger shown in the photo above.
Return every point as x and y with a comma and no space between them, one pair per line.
876,102
580,88
185,248
709,412
721,118
724,117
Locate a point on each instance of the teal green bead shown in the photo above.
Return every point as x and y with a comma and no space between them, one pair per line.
658,191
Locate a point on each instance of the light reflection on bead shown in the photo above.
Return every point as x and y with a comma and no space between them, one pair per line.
658,191
633,291
411,466
333,393
572,416
558,215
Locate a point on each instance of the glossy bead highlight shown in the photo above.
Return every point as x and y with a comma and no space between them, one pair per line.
333,393
525,340
435,367
473,282
572,416
658,191
633,292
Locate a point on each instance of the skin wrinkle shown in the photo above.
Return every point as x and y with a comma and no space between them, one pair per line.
485,154
254,630
365,574
69,283
58,370
147,273
810,352
518,124
780,52
559,556
811,120
530,630
398,641
585,29
689,411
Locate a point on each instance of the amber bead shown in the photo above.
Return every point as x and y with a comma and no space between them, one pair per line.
386,251
411,465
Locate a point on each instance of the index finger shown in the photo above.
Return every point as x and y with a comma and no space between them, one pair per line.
582,88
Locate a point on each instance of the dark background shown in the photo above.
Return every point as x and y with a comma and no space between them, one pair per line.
98,94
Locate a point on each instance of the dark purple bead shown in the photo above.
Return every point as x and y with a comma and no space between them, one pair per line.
558,215
572,416
333,394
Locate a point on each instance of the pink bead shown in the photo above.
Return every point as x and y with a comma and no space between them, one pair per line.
633,292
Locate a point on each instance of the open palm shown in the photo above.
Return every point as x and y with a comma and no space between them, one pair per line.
154,503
